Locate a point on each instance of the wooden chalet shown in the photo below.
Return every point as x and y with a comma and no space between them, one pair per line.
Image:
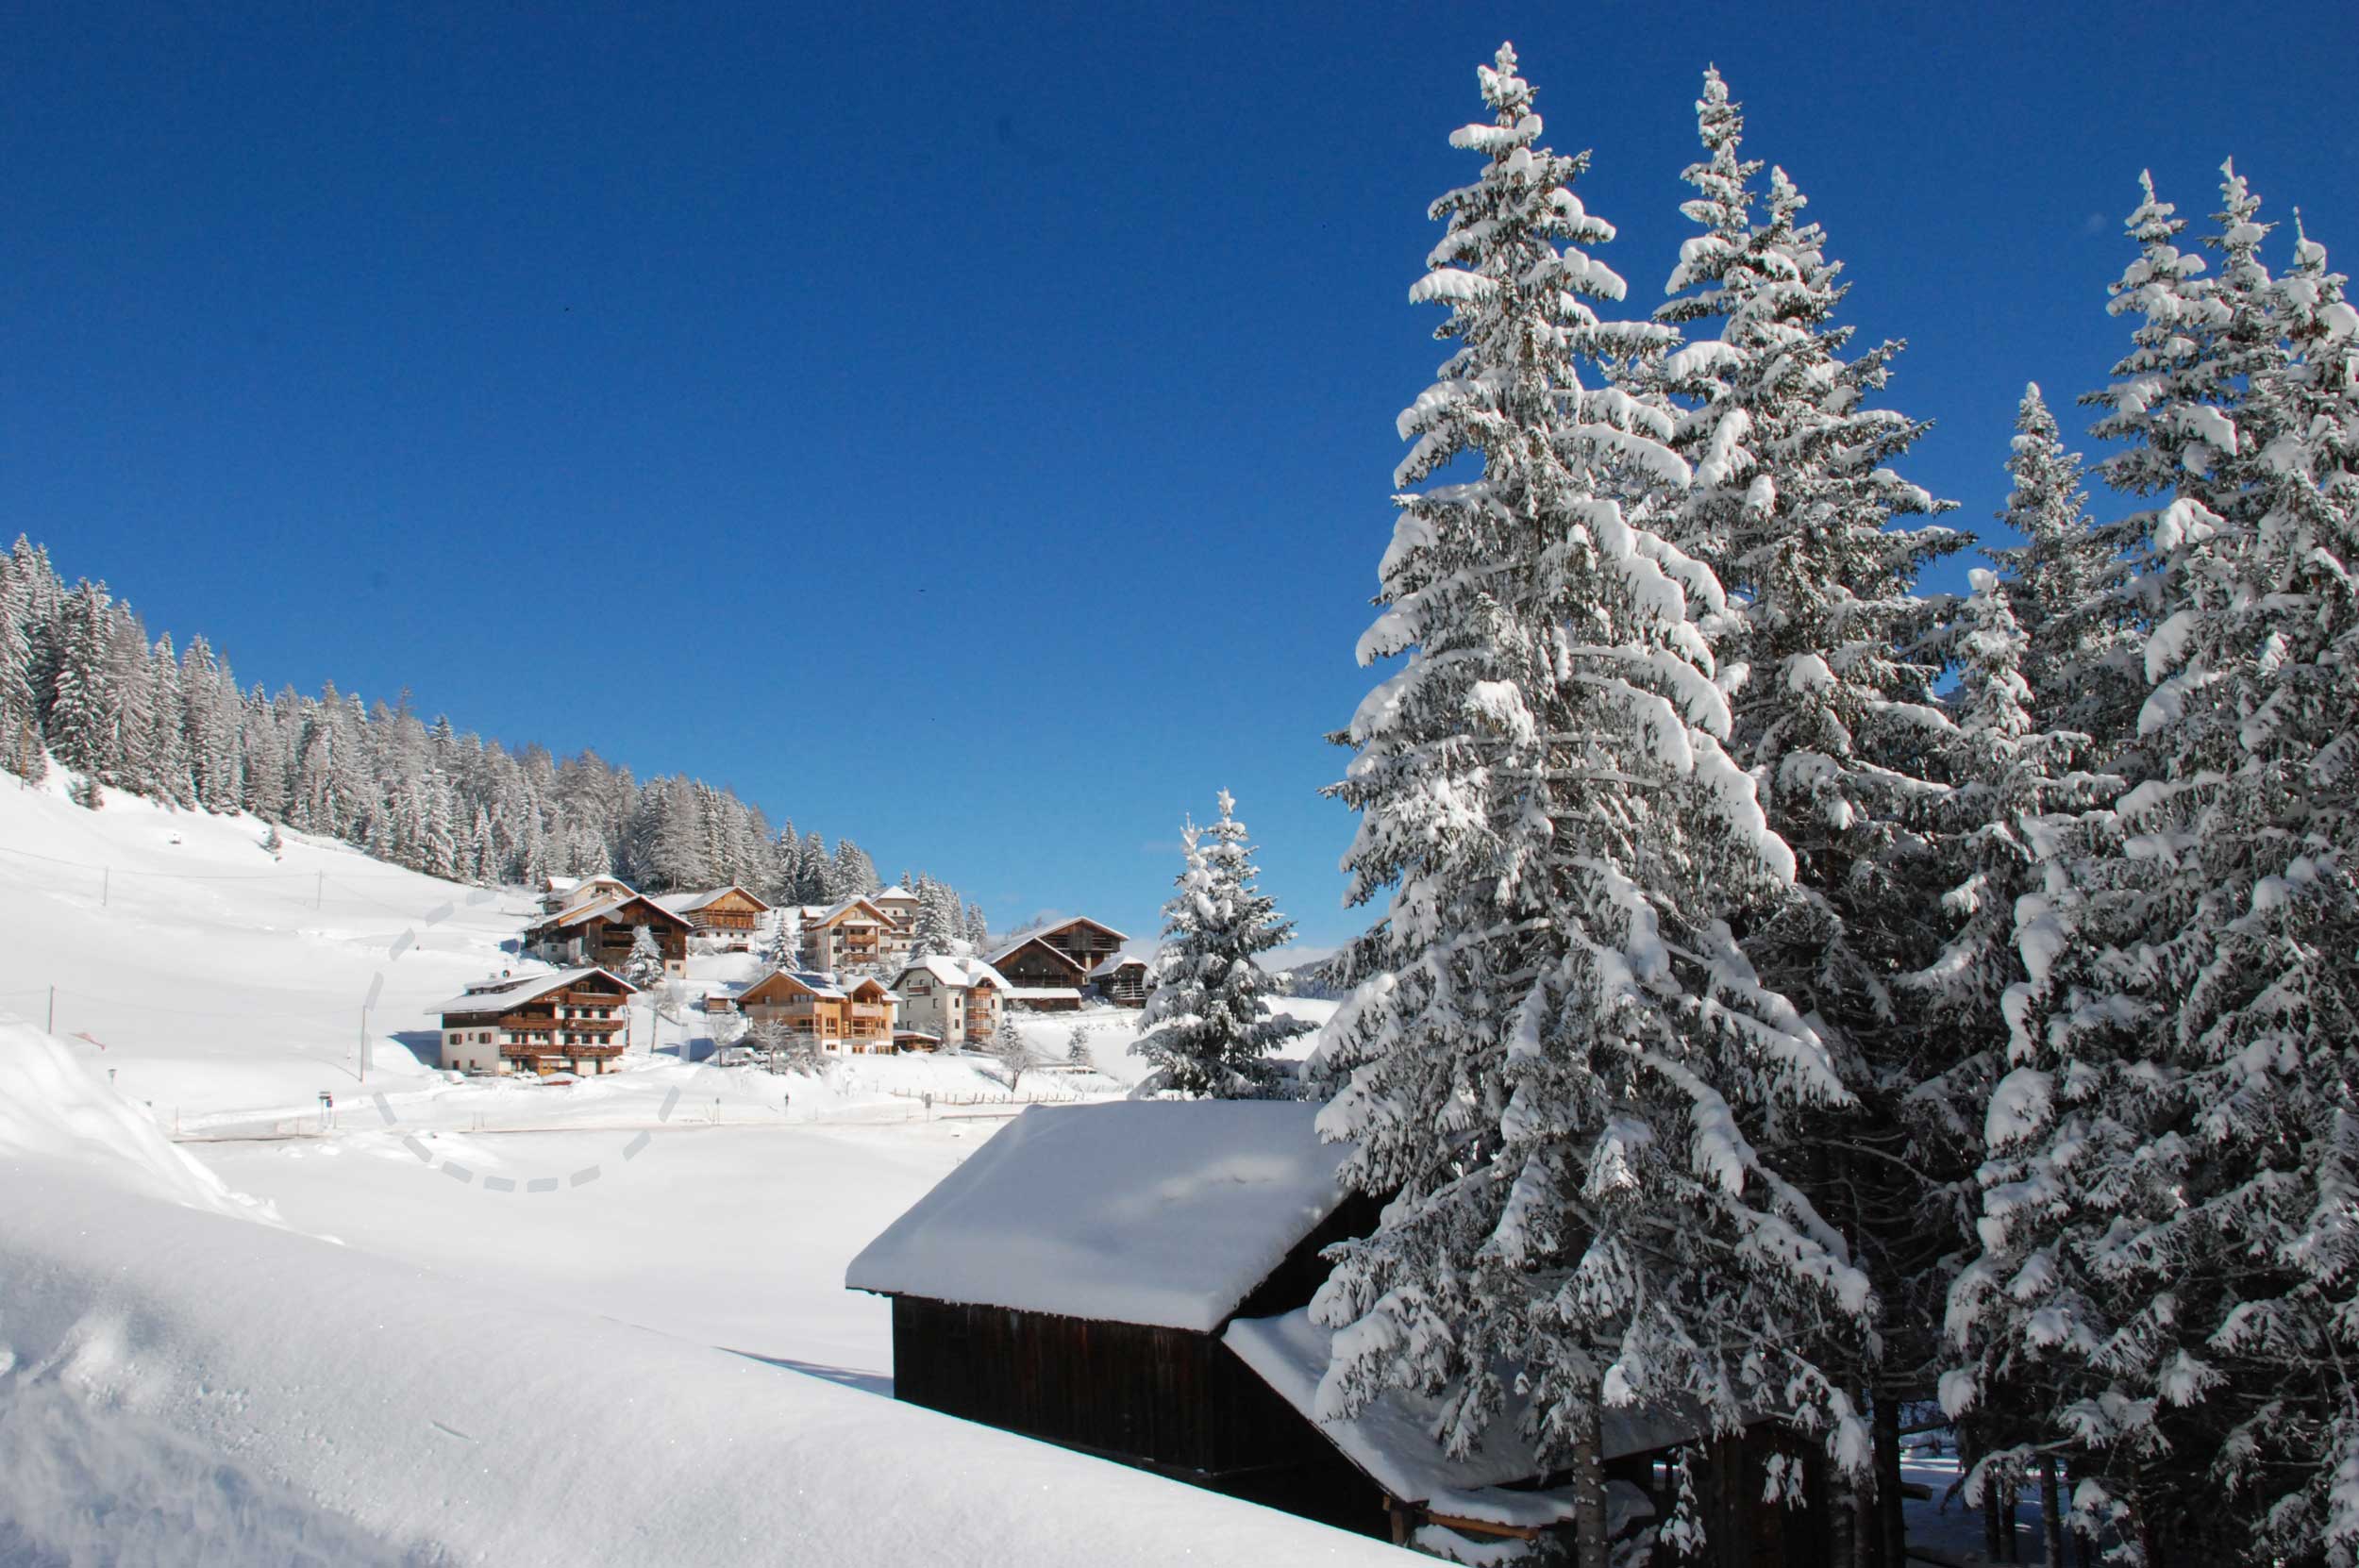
1132,1281
855,1018
1121,981
728,917
601,932
576,1019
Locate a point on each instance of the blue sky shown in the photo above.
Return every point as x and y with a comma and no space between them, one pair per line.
970,432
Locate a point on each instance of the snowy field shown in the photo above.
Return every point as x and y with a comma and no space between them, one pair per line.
496,1321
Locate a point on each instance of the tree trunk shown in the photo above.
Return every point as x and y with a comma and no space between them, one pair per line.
2051,1512
1893,1535
1589,1545
1846,1508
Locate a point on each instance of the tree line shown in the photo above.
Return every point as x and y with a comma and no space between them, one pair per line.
82,682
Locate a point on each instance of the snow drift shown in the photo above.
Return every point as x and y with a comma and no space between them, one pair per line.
181,1384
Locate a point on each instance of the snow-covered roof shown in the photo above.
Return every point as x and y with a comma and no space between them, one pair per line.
1010,948
817,982
815,913
1044,994
896,892
688,903
575,914
1029,932
1165,1212
957,973
1120,961
1390,1439
502,992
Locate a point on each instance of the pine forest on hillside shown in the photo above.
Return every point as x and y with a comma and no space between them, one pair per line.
80,678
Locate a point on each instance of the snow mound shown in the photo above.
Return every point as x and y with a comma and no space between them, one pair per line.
1162,1213
181,1386
54,1108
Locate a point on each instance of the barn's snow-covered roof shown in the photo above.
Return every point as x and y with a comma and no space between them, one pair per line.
1391,1437
1165,1212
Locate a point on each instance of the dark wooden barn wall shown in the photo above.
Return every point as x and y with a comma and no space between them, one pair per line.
1166,1397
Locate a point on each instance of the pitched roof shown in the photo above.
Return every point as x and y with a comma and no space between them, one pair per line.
1163,1212
1000,954
503,991
576,915
1391,1437
896,891
957,974
688,903
812,980
1055,926
1120,961
815,914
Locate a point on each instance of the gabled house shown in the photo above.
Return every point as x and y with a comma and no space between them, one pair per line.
562,893
577,1018
728,917
601,932
958,1001
853,1018
1133,1279
1055,957
899,905
1034,962
850,934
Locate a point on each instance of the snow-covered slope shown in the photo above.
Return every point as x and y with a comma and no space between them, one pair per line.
213,976
180,1384
501,1323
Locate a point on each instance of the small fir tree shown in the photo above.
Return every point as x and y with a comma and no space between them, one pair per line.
1208,1028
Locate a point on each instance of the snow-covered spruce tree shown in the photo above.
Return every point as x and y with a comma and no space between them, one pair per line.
2171,1208
1829,661
1555,1061
1207,1028
173,774
936,932
1015,1052
85,711
2072,591
783,949
644,968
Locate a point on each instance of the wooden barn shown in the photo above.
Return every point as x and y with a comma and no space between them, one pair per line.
1121,981
1132,1281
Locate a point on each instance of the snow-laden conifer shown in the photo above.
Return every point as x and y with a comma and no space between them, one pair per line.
1556,1062
1208,1028
1829,661
2072,591
2171,1223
